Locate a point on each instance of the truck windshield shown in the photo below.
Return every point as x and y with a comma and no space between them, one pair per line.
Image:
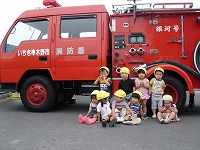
26,30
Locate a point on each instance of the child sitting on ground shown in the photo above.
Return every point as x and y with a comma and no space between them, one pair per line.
91,116
136,105
119,109
167,112
103,108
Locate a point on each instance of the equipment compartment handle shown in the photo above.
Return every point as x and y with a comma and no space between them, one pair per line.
92,56
42,58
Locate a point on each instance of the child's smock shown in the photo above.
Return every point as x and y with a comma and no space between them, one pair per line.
105,110
120,108
93,109
157,86
127,85
167,112
103,86
135,108
120,105
143,90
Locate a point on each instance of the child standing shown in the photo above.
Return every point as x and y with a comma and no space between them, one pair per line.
119,109
103,108
136,105
167,112
103,80
91,116
126,84
142,85
157,87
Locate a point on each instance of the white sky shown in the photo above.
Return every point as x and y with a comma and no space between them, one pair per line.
11,9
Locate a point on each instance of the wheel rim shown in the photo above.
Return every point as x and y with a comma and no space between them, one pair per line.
173,92
36,94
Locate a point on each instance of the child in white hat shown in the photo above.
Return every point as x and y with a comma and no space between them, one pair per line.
167,112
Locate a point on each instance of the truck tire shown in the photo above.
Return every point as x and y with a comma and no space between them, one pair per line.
38,94
176,89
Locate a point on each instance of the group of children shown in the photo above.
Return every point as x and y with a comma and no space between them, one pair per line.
129,104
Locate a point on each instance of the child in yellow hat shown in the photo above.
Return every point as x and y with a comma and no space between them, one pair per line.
126,84
103,80
103,108
142,85
91,116
157,89
136,105
119,109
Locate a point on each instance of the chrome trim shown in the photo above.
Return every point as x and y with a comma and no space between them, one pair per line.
195,61
182,38
196,90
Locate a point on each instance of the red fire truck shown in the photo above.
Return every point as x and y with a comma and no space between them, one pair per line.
50,54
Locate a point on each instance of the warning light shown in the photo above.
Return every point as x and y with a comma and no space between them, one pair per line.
51,3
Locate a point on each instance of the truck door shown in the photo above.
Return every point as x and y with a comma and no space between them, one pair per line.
167,36
78,46
26,46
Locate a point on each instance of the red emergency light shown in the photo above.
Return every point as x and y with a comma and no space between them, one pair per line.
51,3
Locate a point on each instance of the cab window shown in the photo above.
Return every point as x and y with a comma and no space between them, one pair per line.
78,26
26,30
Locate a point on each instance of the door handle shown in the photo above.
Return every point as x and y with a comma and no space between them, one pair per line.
42,58
92,56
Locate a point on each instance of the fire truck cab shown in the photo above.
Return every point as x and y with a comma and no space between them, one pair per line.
50,54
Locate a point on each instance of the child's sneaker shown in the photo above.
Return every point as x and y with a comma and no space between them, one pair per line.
103,122
162,120
154,116
80,119
112,123
128,122
136,121
167,120
125,121
145,116
120,119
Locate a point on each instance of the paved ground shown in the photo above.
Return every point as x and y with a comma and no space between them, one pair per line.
59,130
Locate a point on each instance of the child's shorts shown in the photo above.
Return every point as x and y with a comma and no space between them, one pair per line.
121,113
106,114
156,101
